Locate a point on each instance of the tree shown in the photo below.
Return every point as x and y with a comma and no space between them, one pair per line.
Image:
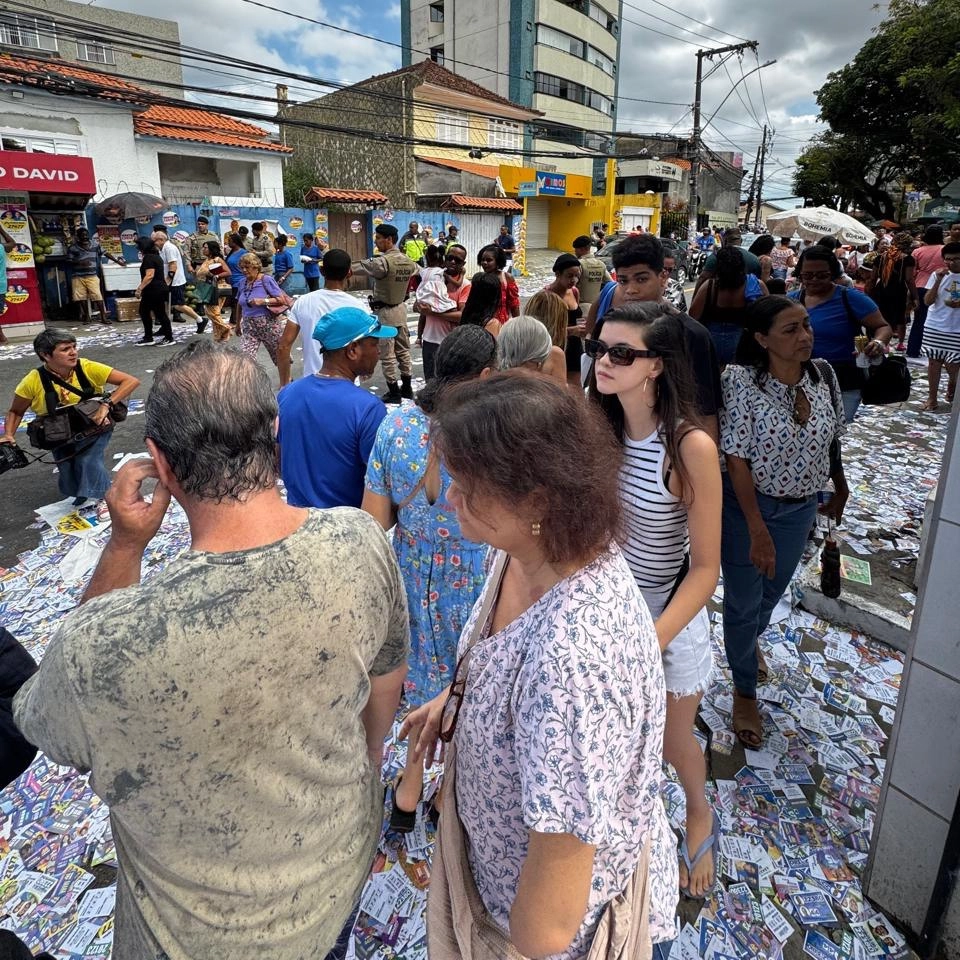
893,109
298,179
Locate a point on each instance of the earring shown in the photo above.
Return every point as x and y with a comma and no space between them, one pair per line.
646,380
535,528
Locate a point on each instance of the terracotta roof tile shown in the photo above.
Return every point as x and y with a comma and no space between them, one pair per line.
480,169
335,195
460,202
430,72
680,162
63,76
203,126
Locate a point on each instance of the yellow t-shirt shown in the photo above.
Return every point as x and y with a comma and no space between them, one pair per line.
31,387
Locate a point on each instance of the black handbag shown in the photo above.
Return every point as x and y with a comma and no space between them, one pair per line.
888,382
69,422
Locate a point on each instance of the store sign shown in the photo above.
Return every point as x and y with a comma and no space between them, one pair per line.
46,173
551,184
528,188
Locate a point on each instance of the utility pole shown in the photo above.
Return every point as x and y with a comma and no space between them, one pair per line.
763,157
753,192
694,200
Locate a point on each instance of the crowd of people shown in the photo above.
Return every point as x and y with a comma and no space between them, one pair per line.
560,499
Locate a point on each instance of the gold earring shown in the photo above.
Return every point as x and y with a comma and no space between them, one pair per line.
535,528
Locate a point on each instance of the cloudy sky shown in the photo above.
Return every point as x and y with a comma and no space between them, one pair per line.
658,61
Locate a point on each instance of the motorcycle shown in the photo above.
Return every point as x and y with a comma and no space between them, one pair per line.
696,258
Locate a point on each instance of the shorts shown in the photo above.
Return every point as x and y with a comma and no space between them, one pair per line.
178,295
86,288
688,660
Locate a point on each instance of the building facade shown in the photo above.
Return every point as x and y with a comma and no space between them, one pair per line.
558,57
108,41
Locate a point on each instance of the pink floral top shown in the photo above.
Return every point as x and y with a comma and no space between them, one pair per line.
561,731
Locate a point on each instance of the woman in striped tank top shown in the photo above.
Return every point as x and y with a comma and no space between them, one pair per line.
671,492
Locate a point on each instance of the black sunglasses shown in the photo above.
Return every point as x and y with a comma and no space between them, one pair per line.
455,259
619,355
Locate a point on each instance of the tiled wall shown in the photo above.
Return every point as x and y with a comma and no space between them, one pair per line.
923,765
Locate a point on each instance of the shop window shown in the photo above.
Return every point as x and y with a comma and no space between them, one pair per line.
504,135
452,127
20,31
95,52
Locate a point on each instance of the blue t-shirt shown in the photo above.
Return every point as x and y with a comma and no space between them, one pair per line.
505,242
311,269
706,244
233,262
327,429
833,327
282,262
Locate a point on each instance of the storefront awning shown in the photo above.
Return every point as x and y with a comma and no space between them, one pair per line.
459,202
46,173
336,195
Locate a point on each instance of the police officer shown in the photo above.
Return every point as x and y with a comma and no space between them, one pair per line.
197,239
593,273
391,273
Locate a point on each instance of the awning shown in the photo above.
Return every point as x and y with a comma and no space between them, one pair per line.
459,202
46,173
464,166
336,195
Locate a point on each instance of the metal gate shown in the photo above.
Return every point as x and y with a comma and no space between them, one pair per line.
538,224
342,237
477,230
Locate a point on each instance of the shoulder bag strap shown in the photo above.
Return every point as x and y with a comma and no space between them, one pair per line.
852,318
50,397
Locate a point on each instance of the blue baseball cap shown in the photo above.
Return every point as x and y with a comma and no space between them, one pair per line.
346,325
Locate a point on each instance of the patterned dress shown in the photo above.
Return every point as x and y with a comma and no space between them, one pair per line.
561,731
443,573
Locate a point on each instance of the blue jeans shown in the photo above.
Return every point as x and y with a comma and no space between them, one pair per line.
661,951
851,404
725,337
748,596
84,475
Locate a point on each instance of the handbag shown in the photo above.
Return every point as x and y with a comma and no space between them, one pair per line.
286,301
458,924
205,292
70,421
888,382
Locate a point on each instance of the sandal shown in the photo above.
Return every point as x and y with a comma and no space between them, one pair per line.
747,724
930,406
763,672
712,843
402,821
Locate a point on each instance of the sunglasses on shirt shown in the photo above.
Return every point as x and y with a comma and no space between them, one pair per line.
620,355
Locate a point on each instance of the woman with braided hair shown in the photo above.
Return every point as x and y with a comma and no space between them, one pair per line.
892,288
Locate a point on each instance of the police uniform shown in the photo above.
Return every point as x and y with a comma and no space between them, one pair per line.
262,246
195,246
391,273
593,276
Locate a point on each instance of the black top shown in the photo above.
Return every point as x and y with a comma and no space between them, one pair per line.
158,284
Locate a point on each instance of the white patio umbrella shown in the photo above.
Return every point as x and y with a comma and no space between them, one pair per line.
812,223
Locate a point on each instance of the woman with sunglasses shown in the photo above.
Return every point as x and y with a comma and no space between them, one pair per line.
437,325
780,425
837,315
671,495
554,722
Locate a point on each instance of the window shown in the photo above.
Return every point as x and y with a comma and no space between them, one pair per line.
95,52
575,92
504,135
436,55
69,146
595,12
601,60
436,13
559,40
452,127
20,31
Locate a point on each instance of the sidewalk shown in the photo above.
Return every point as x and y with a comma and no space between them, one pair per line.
796,816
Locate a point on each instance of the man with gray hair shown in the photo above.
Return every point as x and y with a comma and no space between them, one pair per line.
232,708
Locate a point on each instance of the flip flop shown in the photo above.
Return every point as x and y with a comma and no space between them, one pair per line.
710,843
763,672
746,721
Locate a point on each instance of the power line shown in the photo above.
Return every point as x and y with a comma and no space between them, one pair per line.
670,23
695,20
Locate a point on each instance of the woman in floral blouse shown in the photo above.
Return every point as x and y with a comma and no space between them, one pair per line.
557,711
780,425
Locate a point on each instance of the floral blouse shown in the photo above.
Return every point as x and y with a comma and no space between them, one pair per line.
561,731
787,459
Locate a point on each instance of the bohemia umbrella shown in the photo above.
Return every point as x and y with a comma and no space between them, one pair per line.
130,206
812,223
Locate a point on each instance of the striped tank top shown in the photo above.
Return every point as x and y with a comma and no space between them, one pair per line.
655,521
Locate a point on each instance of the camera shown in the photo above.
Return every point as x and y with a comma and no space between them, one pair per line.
11,457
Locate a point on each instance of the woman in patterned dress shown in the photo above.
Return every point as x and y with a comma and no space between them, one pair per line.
557,710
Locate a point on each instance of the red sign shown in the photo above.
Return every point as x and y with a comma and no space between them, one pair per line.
46,173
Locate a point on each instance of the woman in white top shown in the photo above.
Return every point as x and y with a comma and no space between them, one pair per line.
671,494
780,425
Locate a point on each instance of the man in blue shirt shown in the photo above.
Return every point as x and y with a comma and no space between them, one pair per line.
327,423
705,241
310,256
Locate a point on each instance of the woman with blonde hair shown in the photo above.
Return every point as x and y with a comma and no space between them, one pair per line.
256,322
550,310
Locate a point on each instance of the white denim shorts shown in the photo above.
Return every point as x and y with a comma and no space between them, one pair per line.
688,659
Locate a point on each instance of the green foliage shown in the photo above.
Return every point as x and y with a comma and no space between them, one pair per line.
893,111
298,178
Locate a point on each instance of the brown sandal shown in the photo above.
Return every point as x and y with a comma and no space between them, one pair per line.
747,724
763,671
